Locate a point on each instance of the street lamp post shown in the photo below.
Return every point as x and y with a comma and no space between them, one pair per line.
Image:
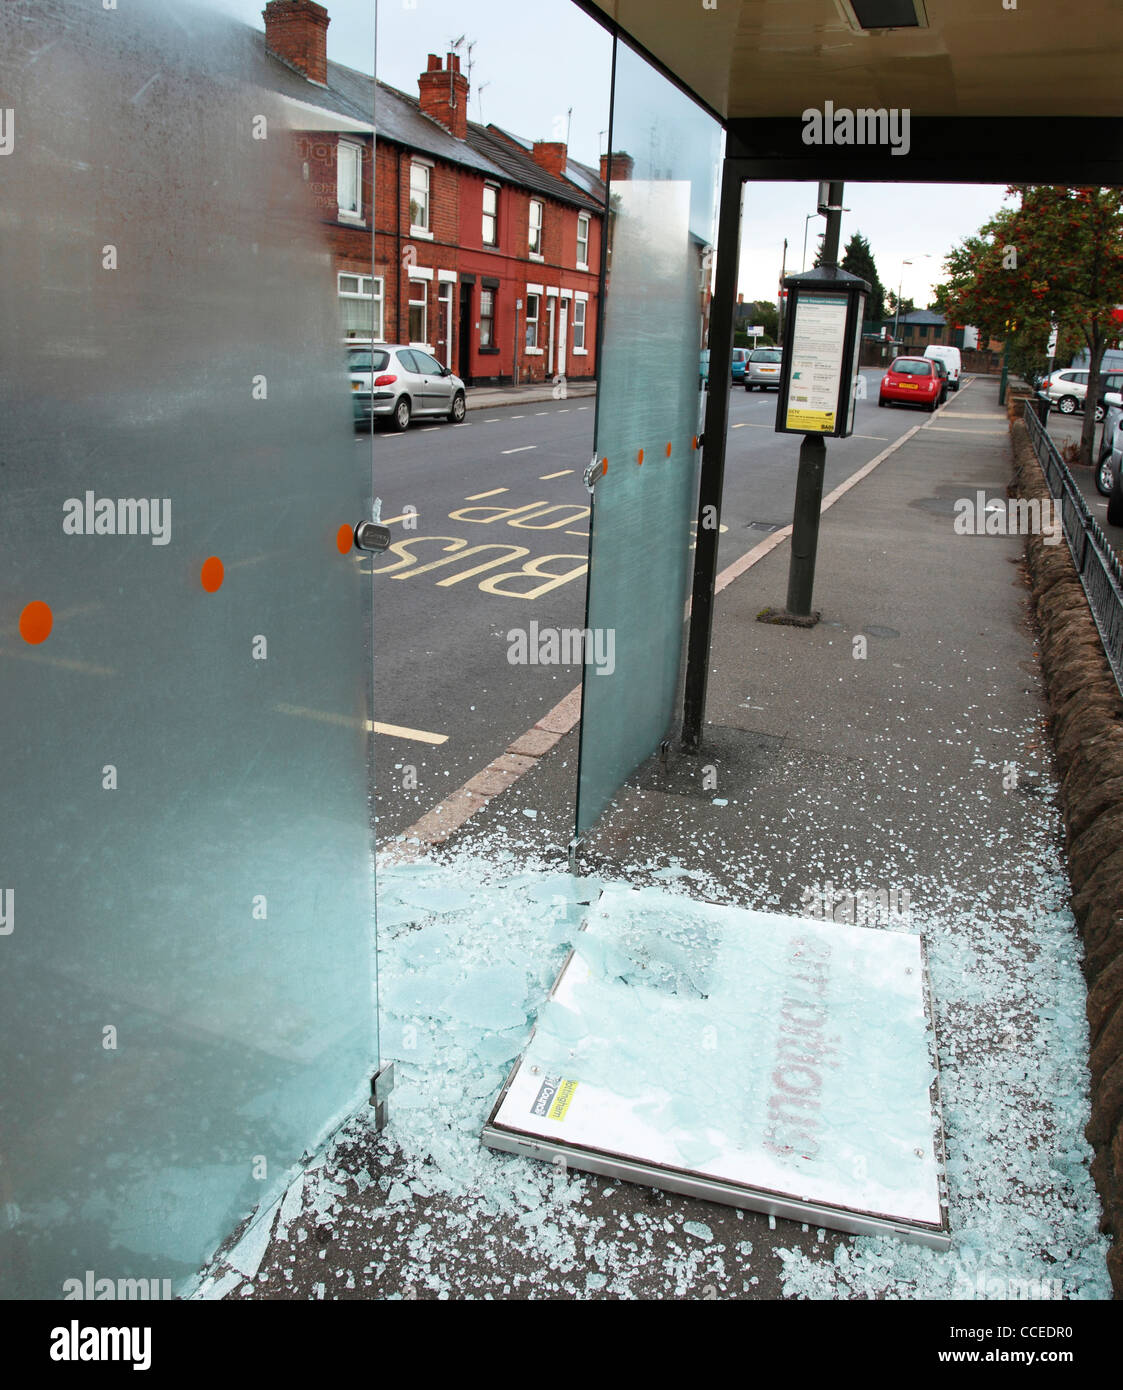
897,311
806,220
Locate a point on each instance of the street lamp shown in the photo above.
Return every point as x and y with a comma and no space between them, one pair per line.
897,312
806,220
925,256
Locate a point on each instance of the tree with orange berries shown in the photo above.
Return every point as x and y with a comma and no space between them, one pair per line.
1057,257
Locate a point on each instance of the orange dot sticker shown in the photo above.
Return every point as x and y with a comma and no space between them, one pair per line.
604,467
668,448
694,442
639,457
35,622
344,539
211,575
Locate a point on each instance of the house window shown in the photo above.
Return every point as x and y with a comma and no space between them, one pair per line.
579,307
491,214
360,305
418,197
487,317
533,301
349,179
583,241
418,311
535,227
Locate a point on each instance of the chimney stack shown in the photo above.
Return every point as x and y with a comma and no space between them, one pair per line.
622,166
297,31
551,155
444,94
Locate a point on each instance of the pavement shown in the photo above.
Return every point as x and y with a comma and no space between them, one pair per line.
900,744
487,397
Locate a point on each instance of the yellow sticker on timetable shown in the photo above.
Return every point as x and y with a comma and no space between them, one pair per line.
562,1099
810,420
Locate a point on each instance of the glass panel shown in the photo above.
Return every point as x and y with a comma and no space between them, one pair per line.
662,210
186,991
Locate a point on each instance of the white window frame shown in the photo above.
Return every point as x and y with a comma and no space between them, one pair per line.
355,151
583,260
579,324
493,189
417,283
536,242
533,349
489,317
371,289
425,228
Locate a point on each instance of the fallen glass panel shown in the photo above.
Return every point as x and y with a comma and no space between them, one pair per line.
782,1064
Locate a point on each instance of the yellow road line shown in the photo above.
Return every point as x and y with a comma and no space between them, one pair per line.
545,478
495,491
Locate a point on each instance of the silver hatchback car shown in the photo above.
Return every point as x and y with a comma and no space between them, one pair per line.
763,369
392,382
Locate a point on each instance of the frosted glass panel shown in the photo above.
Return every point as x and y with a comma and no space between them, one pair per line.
662,206
186,988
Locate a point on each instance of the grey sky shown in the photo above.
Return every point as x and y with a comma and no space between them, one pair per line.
538,58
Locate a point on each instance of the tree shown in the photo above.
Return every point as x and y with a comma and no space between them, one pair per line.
1057,256
907,306
765,316
858,260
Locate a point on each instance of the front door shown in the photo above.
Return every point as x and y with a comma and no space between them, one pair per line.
464,333
186,960
444,324
551,316
563,338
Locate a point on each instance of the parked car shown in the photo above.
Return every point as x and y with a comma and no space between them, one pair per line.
914,381
942,371
1067,389
392,382
1115,496
740,357
951,359
1107,465
763,369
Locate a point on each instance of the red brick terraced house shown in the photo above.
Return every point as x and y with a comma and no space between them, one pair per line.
487,247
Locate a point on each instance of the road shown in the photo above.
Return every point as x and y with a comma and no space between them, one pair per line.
497,537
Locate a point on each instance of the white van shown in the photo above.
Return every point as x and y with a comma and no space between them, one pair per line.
949,356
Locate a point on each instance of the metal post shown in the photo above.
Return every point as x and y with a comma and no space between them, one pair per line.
712,477
805,524
834,226
812,463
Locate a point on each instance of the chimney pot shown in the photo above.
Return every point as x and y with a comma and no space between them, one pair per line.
444,95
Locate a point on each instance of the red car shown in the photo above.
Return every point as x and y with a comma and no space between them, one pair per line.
914,380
